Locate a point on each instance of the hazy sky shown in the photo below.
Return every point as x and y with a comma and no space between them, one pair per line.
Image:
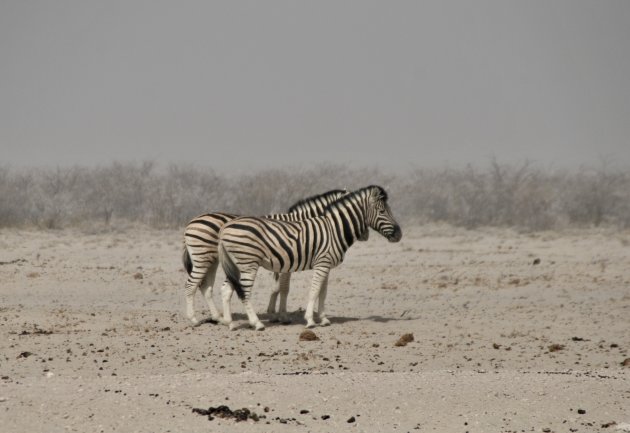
263,83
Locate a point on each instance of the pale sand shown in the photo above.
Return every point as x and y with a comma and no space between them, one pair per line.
121,356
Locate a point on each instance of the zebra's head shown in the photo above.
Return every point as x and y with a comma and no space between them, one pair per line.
379,215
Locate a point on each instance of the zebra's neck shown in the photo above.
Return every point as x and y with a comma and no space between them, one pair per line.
348,218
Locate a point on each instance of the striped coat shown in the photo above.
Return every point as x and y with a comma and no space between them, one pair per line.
318,243
201,238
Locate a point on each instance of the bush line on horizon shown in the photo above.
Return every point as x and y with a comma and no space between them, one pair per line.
498,195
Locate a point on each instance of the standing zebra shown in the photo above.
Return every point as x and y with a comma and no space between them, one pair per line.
200,257
318,243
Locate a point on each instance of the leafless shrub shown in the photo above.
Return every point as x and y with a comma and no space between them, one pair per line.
523,196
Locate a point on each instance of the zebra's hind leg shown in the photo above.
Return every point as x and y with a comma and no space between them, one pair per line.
206,287
226,296
323,320
197,274
320,275
247,282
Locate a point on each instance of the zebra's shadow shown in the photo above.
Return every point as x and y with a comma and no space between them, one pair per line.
297,318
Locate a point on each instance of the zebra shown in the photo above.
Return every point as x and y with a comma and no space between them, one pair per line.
200,255
317,243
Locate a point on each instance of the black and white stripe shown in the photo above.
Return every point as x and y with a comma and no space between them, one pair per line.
201,239
318,243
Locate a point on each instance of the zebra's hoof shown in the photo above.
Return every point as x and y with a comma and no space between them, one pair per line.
311,325
259,326
231,326
325,322
194,322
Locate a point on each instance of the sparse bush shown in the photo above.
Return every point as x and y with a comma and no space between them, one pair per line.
499,195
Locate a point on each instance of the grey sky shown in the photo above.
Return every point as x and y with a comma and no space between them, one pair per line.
265,83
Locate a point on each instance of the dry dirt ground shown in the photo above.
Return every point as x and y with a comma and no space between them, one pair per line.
513,333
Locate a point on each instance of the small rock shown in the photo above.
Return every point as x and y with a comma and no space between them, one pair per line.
325,417
304,411
581,411
351,420
138,276
403,340
546,430
308,335
555,347
24,354
536,262
625,362
496,345
609,424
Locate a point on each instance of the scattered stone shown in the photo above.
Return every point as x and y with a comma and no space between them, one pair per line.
609,424
403,340
496,346
581,411
625,362
304,411
536,262
24,355
546,430
577,339
555,347
351,420
138,276
308,335
325,417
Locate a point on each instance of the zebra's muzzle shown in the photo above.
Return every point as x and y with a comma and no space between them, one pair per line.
396,235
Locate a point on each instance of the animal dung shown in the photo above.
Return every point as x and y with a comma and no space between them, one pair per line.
225,412
404,339
308,335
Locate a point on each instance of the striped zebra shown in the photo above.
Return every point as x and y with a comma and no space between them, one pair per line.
318,243
200,256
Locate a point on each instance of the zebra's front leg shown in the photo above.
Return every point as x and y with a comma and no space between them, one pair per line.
273,297
281,288
323,320
320,275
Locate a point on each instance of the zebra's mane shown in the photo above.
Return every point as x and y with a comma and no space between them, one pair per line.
325,196
358,193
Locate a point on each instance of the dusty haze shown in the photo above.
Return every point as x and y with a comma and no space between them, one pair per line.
292,82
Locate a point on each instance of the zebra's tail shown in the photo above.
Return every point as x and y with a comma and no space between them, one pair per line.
187,261
276,276
231,271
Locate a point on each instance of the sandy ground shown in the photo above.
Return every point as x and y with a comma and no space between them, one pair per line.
94,338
